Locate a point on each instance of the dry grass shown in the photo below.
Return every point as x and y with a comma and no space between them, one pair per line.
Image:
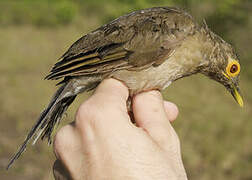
215,133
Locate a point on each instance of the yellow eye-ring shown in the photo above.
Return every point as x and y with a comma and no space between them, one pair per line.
233,68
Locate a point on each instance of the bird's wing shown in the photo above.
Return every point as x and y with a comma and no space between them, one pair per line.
134,41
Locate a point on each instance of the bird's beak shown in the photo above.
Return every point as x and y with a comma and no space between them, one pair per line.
235,91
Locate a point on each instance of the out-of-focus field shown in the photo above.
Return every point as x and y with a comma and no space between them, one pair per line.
215,134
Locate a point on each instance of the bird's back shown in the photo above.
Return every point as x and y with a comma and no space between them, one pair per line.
141,38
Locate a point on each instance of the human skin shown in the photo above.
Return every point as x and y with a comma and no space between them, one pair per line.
103,143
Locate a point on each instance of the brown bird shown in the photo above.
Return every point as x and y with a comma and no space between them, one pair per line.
146,49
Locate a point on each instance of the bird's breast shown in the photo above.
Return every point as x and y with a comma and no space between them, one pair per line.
150,78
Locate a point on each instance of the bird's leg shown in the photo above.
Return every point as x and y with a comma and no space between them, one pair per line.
130,110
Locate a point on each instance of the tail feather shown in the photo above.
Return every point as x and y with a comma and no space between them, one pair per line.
52,115
56,116
46,121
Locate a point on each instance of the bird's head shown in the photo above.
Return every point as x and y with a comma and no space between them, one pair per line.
224,67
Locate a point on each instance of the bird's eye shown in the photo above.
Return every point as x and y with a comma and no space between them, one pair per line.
233,68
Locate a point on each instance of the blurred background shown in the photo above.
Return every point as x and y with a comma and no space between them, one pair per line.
215,133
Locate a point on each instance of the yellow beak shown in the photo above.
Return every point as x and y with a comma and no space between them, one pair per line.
237,95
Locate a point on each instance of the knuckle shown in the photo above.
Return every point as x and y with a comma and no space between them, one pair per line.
81,112
60,142
87,113
154,96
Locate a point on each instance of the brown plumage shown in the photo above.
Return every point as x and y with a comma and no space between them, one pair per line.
146,49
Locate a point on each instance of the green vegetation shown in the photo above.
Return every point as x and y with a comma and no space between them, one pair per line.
61,12
215,133
39,12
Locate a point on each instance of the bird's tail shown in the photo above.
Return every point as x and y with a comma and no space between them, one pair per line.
48,119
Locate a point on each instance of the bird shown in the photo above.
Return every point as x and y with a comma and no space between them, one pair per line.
145,49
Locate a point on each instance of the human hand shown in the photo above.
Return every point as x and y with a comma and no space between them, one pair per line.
103,143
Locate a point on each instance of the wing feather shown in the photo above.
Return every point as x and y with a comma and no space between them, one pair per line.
134,41
83,64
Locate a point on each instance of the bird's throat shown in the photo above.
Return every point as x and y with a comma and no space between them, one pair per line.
191,55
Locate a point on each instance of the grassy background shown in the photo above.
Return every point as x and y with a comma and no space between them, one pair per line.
216,135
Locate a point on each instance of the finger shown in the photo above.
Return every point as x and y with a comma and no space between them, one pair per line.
150,114
105,109
171,110
112,91
68,149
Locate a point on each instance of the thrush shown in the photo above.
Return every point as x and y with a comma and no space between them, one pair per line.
146,49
